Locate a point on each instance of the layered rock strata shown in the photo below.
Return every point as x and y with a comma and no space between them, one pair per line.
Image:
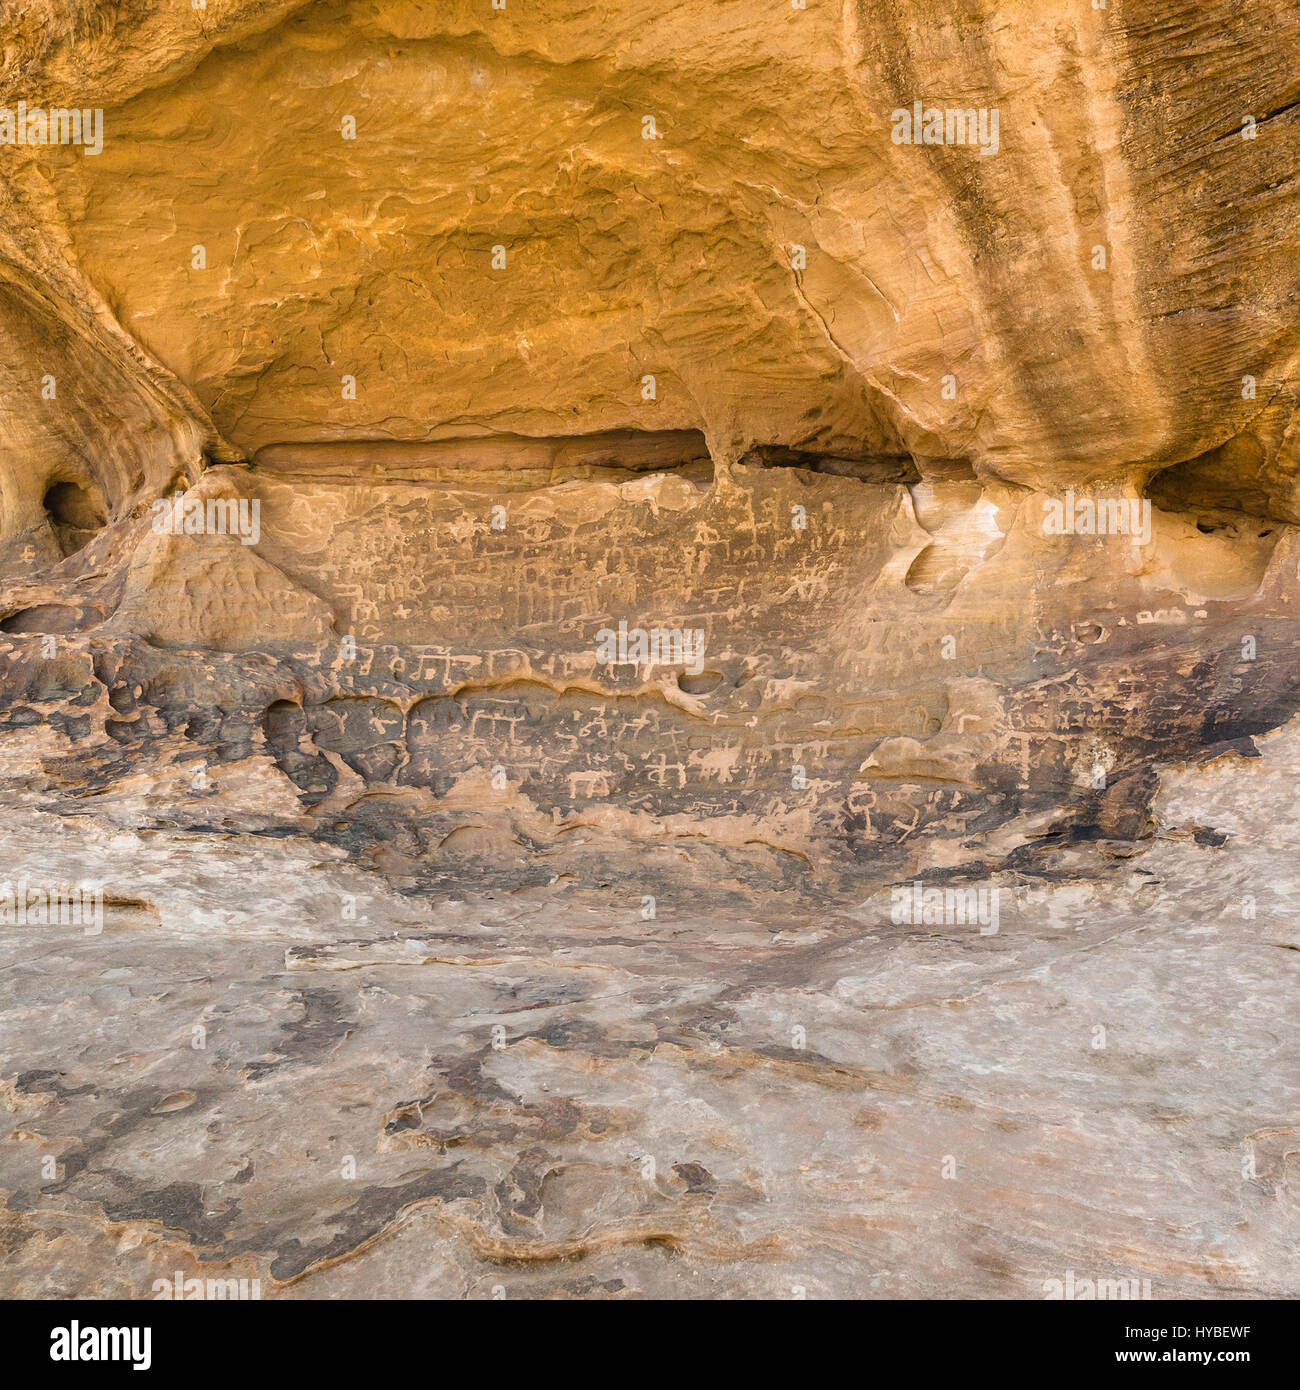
532,539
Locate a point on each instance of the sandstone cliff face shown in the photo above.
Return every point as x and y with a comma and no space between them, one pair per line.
389,372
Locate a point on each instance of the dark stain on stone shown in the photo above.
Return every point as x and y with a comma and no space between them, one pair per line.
179,1206
466,1078
374,1209
589,1284
42,1083
14,1234
519,1193
307,1039
696,1177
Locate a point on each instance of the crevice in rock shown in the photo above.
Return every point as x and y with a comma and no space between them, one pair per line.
486,460
544,460
43,618
866,468
1231,481
76,515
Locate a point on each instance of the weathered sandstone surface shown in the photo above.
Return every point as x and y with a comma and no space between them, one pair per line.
391,367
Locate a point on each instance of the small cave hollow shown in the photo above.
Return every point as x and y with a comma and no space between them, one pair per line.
76,515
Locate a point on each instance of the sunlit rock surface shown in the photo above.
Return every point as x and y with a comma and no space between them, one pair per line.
370,394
